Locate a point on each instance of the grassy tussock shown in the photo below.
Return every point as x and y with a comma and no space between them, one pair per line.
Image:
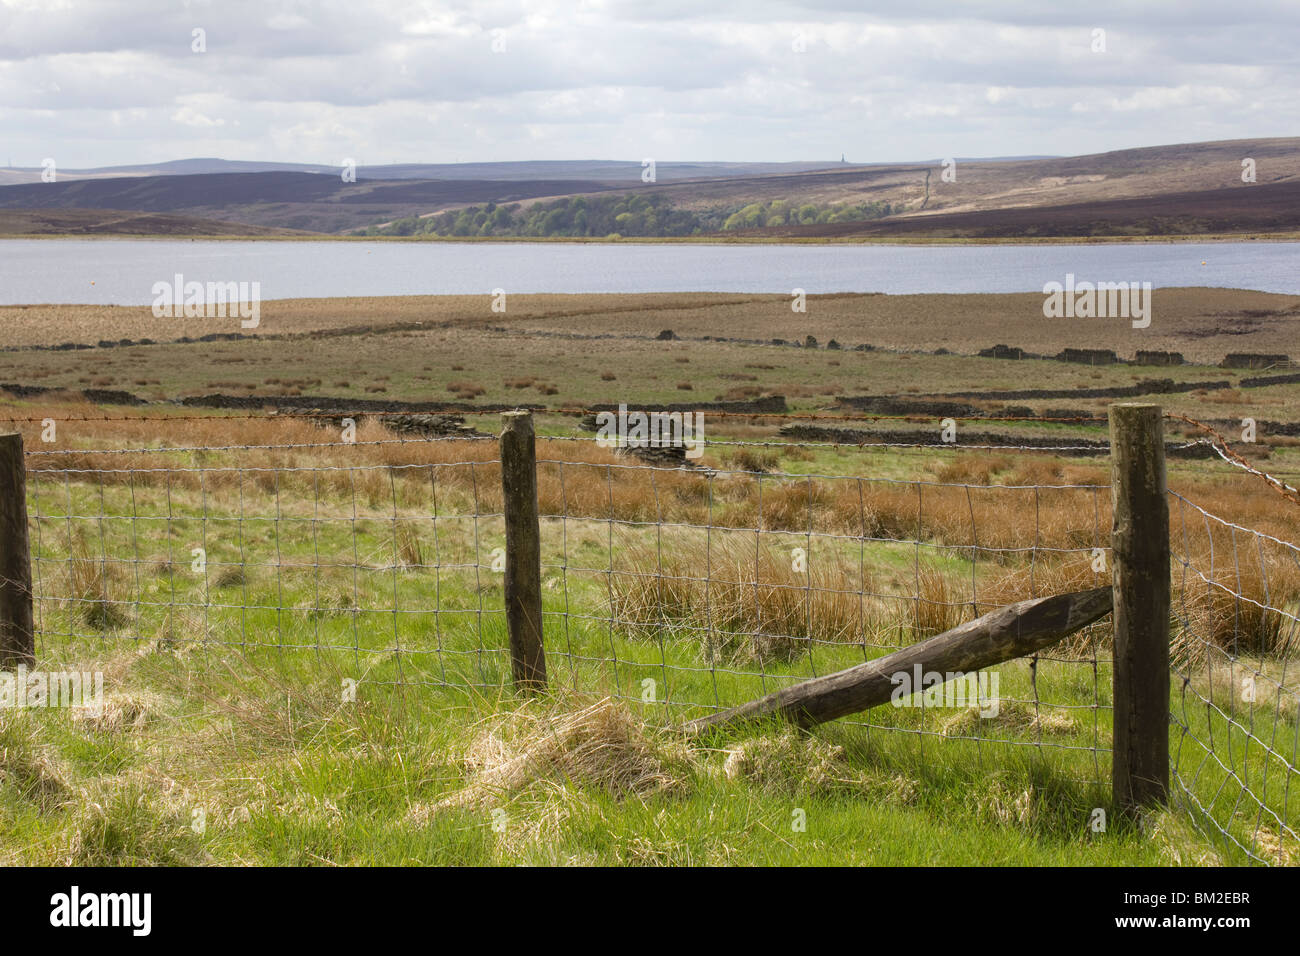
601,746
792,764
746,604
265,708
28,767
971,469
406,538
120,712
939,604
744,458
127,823
91,584
1014,716
1237,612
1274,849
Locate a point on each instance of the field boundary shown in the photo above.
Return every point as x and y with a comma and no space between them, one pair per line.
623,575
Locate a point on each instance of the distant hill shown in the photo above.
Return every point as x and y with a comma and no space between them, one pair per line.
1130,173
612,171
118,222
284,200
1194,188
1263,208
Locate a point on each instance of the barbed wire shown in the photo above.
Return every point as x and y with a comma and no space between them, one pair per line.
1221,447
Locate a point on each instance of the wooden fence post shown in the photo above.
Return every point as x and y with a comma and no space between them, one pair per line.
17,634
1140,576
523,551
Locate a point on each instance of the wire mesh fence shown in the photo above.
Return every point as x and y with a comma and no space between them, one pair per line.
683,588
373,559
1236,737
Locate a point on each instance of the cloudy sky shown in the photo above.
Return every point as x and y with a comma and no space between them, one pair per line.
103,82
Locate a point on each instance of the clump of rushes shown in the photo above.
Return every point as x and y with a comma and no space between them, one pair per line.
753,607
90,580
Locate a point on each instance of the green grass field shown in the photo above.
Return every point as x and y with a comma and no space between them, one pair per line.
229,735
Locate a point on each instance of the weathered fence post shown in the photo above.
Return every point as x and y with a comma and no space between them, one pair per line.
17,634
523,551
1140,576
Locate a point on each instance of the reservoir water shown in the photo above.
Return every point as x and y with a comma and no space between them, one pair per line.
123,272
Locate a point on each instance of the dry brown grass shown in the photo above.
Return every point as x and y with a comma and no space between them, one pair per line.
1240,611
972,469
1039,471
360,467
753,606
794,764
91,582
938,606
410,551
120,712
1015,529
1007,584
743,458
1013,715
602,745
465,390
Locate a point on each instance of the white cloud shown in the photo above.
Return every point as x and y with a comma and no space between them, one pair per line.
189,116
114,81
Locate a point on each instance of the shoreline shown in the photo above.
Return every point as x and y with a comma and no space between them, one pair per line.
614,299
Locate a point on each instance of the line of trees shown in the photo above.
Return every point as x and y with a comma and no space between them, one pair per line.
783,212
627,215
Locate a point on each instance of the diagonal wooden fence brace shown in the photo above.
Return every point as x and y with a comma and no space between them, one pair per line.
1002,635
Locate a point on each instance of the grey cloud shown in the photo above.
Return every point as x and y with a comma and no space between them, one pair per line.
114,81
